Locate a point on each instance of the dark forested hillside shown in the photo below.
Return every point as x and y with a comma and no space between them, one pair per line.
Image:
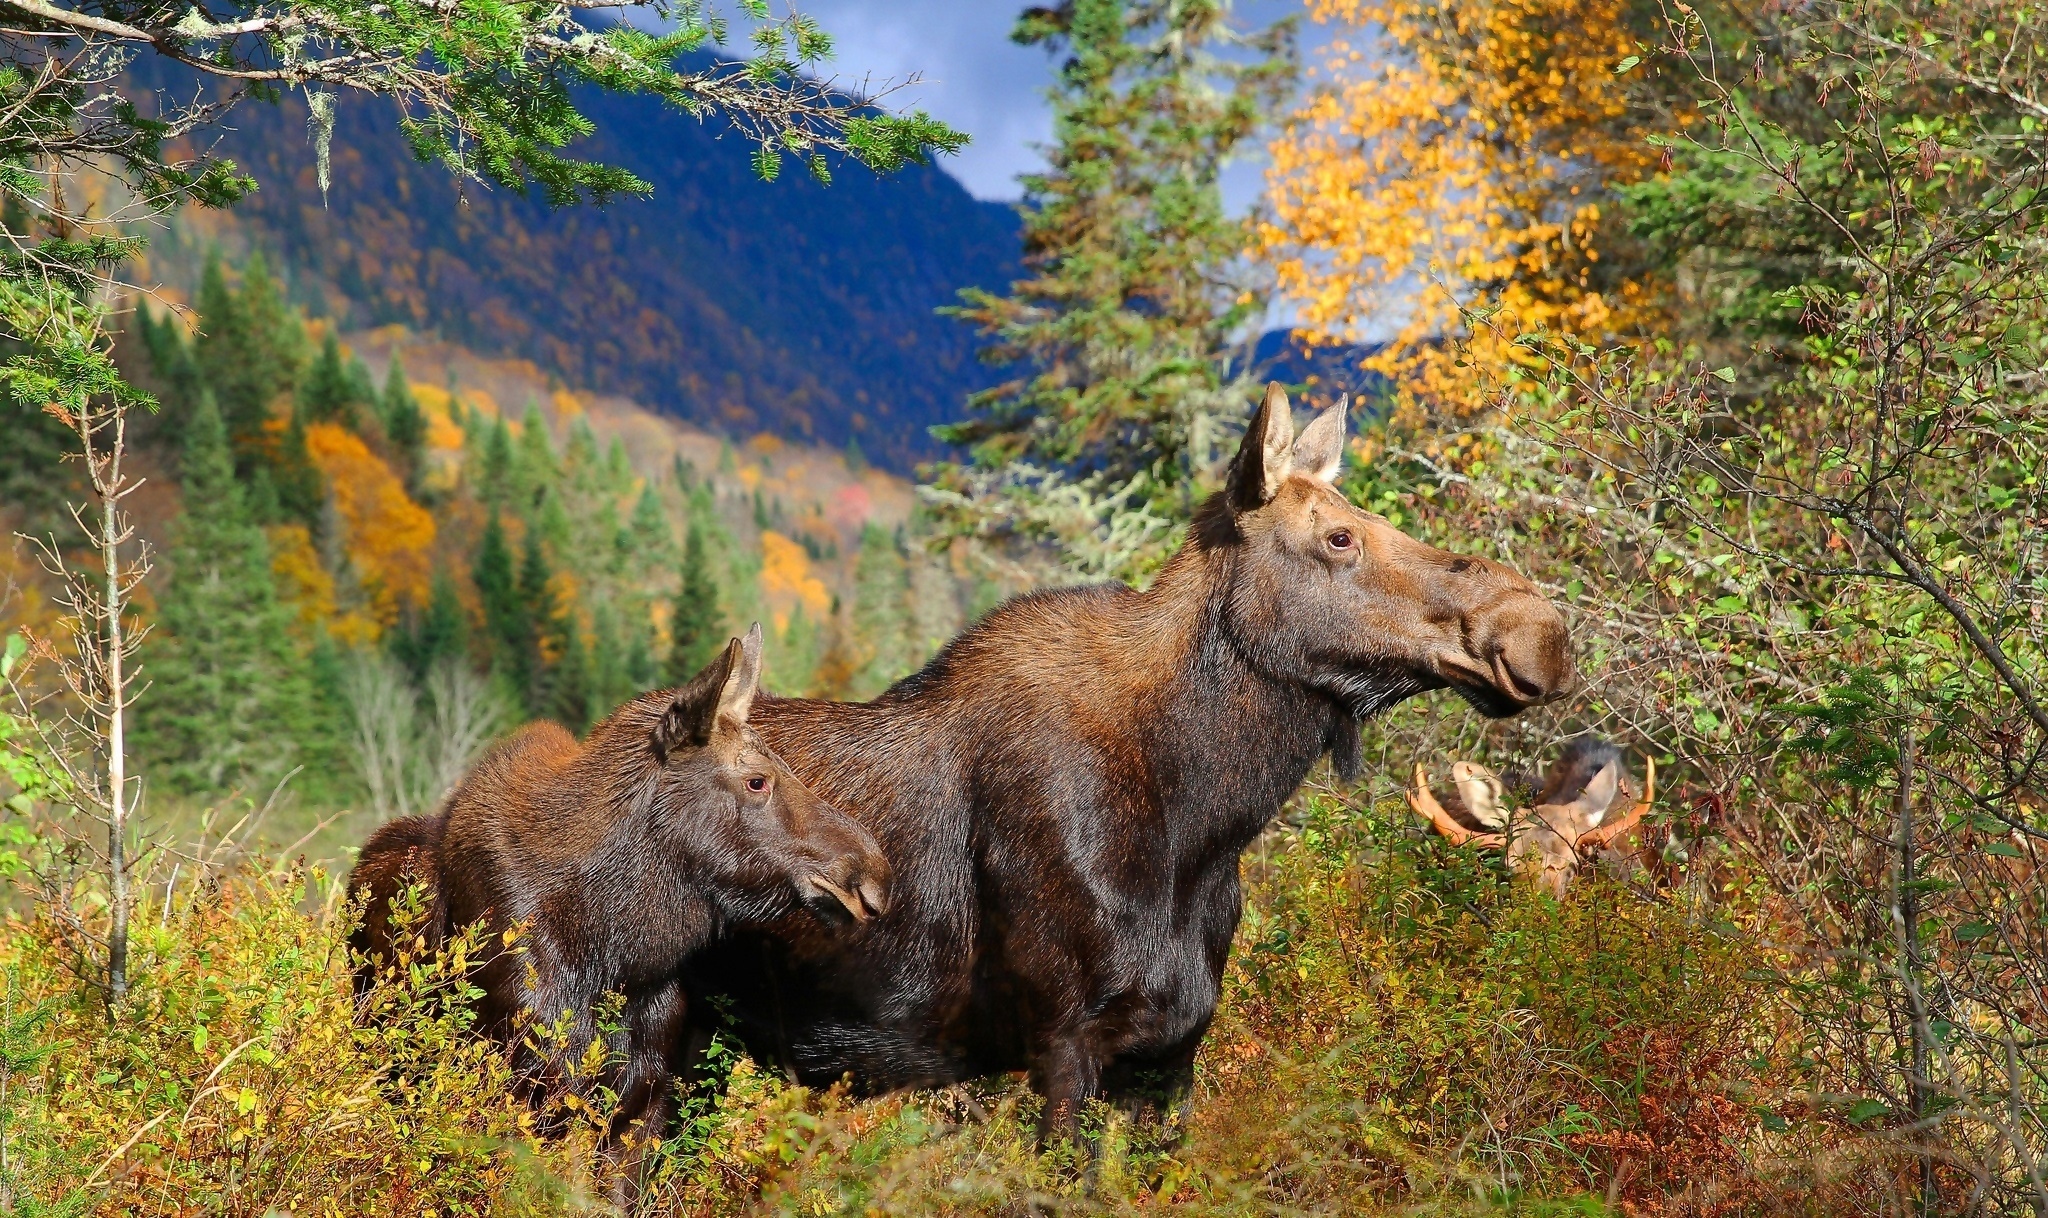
790,307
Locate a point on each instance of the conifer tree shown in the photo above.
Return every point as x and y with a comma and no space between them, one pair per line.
495,478
880,613
329,392
651,539
610,683
437,632
617,467
405,425
507,618
534,468
300,493
571,694
1124,332
537,604
794,662
173,366
228,694
642,673
250,352
695,627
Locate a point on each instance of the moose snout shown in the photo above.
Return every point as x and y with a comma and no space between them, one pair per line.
854,886
1516,654
1532,656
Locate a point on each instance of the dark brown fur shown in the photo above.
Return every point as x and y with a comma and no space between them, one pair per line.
611,861
1065,790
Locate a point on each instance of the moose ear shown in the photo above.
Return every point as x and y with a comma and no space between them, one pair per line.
1265,455
1319,453
743,678
1482,792
687,721
1591,806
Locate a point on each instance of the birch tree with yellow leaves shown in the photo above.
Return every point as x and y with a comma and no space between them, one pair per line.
1455,158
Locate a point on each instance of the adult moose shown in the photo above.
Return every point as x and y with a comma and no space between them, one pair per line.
1065,789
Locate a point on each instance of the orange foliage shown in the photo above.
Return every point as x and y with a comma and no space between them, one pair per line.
1457,164
787,580
388,537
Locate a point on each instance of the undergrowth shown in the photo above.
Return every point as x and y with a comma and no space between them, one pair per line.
1402,1030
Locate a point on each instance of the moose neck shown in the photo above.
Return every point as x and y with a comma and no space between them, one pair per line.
1235,741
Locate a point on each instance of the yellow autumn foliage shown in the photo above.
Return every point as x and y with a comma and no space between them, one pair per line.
787,580
387,536
1451,160
308,587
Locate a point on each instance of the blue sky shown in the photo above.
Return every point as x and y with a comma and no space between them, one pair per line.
975,78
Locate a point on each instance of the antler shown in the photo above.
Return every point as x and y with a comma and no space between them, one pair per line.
1424,802
1595,839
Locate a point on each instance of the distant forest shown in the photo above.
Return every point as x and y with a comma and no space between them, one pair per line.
369,576
745,306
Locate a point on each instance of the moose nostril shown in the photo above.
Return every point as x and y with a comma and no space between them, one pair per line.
1533,662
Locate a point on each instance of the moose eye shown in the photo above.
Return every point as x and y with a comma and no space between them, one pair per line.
757,783
1340,540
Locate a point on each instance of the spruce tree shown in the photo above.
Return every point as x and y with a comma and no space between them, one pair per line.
174,368
648,530
1124,331
695,628
534,468
537,602
440,631
250,351
507,619
880,613
301,492
495,477
329,393
228,694
571,694
405,425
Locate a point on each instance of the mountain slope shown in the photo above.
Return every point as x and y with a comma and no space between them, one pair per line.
788,307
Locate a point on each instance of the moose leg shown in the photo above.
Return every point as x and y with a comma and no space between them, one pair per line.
1155,1086
1068,1073
647,1093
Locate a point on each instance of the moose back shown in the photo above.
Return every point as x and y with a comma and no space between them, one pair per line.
1065,790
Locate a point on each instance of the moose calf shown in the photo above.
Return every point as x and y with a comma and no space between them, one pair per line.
1565,821
599,867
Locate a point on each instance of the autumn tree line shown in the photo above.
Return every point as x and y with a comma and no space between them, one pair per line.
346,602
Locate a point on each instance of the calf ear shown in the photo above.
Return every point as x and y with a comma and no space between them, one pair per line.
742,681
688,720
1319,452
1266,453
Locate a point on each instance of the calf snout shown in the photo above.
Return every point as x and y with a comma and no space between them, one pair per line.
853,886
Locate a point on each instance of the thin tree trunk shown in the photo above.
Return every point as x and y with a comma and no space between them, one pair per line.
117,767
1909,965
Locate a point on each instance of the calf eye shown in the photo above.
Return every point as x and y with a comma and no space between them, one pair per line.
1340,540
757,783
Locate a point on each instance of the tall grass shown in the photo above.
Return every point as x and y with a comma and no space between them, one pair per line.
1403,1030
